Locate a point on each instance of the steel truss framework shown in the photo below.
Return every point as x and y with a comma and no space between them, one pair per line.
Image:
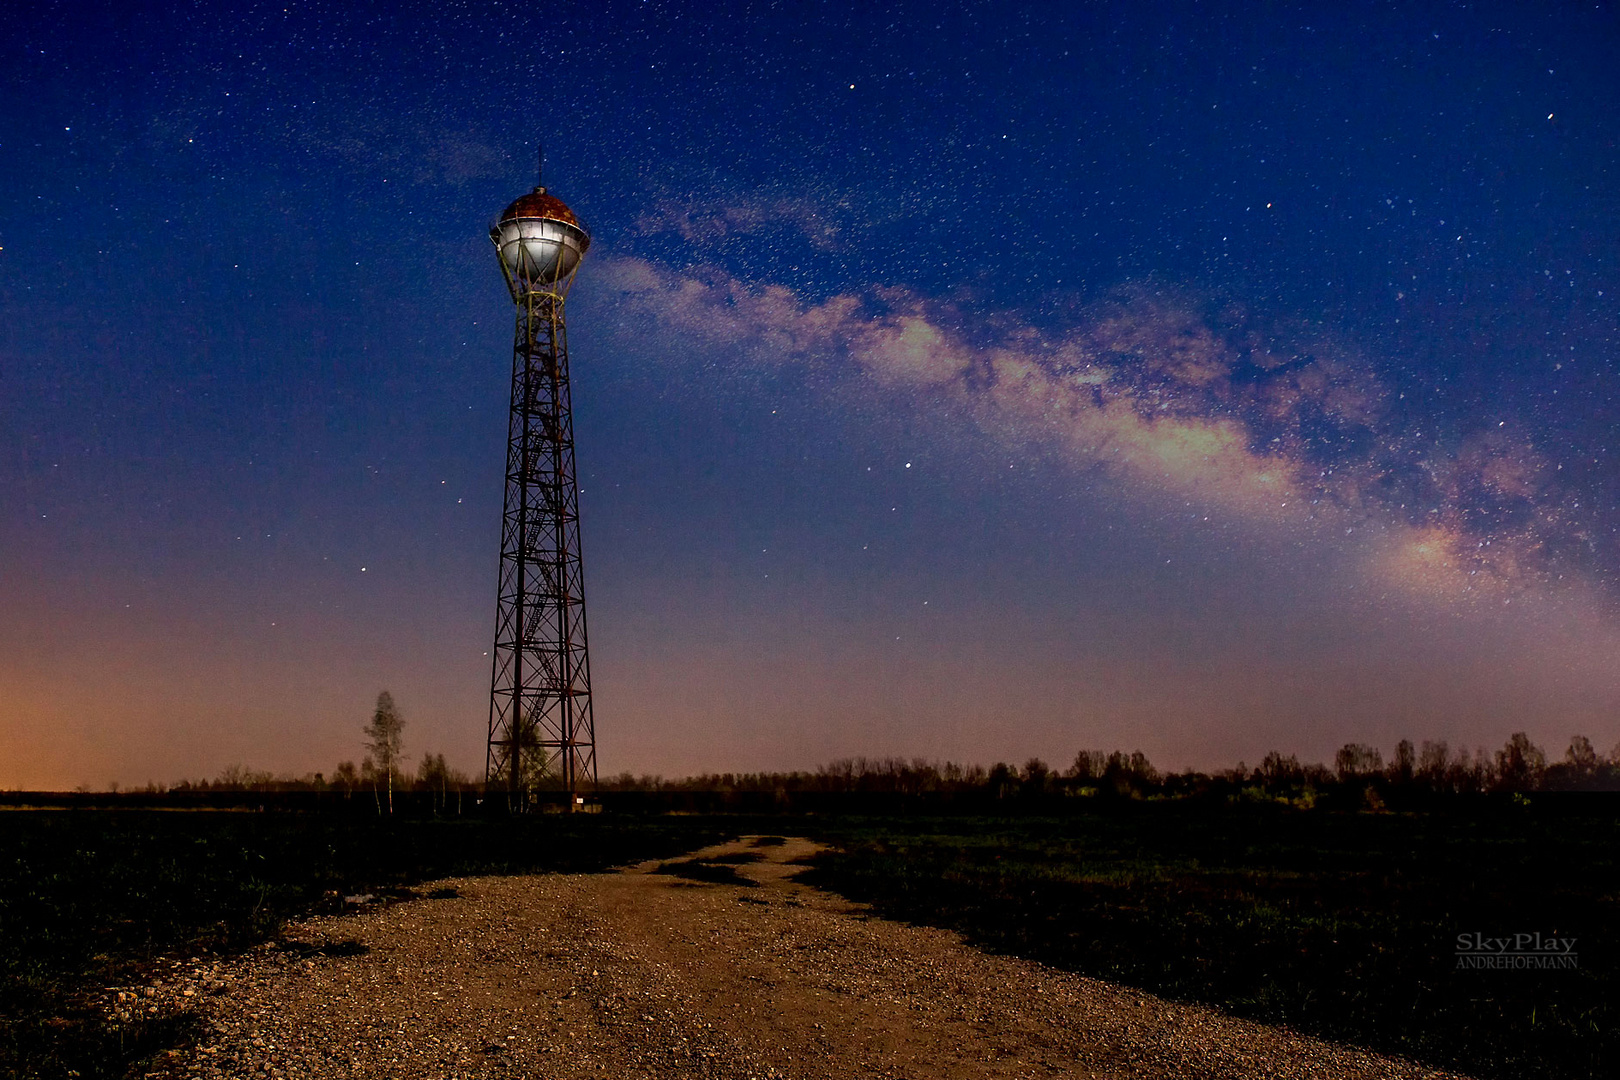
541,732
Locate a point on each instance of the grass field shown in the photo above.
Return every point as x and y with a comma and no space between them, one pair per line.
1341,925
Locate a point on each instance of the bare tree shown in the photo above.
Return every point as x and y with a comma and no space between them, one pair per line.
1520,764
1581,758
384,738
1280,770
1357,760
433,776
1088,765
1404,767
345,778
1433,763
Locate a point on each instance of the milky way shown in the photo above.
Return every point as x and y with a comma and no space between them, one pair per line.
1179,397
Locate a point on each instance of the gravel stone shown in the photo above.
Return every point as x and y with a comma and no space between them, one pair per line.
641,975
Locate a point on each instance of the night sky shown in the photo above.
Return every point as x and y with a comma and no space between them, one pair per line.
951,381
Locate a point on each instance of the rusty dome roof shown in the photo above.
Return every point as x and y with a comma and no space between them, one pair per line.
538,204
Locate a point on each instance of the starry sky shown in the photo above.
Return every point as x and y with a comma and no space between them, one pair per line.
968,381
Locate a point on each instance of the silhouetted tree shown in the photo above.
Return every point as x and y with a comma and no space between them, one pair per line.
1433,761
1520,764
1583,768
1142,770
1128,774
1404,767
433,775
1357,760
1581,758
1281,771
1473,774
1036,776
1088,765
1002,781
345,778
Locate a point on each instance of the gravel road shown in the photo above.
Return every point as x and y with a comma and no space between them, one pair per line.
648,974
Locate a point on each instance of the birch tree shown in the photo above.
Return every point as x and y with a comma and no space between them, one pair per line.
384,738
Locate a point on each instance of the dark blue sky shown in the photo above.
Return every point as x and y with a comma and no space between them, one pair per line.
1223,377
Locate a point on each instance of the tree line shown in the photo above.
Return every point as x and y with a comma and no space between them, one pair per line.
1432,768
380,773
1359,770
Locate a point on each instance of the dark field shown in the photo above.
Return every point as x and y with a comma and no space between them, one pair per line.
1339,924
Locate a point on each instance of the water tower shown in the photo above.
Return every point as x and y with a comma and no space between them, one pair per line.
541,732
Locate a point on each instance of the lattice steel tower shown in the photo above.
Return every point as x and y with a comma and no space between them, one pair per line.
541,733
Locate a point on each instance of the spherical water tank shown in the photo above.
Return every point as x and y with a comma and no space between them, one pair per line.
539,239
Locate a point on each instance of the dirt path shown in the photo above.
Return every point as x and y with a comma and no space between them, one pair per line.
642,974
